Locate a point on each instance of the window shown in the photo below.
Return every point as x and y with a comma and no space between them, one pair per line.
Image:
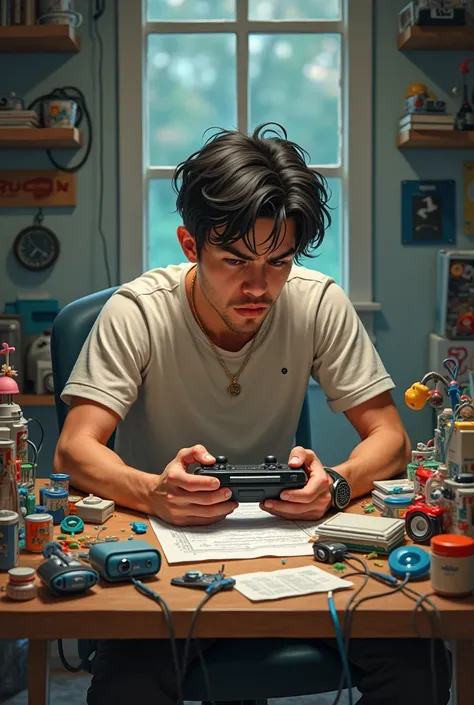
190,65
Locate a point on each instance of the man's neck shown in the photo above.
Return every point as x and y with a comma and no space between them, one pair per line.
219,334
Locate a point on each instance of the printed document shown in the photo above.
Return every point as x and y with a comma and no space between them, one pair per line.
275,584
248,532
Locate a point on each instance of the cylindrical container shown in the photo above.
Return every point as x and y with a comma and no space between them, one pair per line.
30,503
11,416
58,112
9,547
41,494
21,584
60,479
411,469
452,565
395,506
39,531
55,500
39,509
7,469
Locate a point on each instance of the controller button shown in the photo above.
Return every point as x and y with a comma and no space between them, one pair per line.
221,459
192,575
270,460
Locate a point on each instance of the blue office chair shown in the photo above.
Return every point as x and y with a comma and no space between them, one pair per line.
239,669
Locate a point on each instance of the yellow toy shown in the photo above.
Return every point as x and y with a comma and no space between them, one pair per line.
417,396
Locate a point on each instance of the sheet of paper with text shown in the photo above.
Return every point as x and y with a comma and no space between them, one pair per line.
248,532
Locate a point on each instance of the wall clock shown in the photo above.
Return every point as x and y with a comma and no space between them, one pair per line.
36,248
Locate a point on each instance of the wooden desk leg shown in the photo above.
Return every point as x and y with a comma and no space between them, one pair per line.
464,666
38,671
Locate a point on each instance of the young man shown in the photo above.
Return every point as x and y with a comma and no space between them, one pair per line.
214,356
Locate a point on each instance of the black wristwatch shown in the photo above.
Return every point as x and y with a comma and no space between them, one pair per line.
341,490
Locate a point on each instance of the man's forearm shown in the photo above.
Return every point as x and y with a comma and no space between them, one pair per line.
95,468
381,456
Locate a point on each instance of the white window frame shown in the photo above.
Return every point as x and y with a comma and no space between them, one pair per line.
356,170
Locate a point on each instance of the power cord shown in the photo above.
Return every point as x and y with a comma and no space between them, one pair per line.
342,650
99,11
40,444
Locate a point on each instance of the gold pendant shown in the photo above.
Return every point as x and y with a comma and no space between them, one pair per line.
234,389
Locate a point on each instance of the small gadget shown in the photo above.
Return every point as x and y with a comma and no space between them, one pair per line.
409,560
361,532
340,490
123,560
202,581
94,509
329,551
255,483
64,574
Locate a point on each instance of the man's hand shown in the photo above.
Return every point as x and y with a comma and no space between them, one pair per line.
311,501
184,499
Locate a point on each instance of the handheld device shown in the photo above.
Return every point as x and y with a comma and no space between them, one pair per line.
123,560
204,581
64,574
255,483
329,551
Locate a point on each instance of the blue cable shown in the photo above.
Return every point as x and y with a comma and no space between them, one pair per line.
340,644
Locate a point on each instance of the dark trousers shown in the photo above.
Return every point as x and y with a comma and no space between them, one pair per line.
395,671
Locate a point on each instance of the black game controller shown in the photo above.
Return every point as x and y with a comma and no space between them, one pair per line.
255,483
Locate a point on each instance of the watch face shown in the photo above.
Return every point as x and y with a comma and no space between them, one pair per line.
36,248
342,494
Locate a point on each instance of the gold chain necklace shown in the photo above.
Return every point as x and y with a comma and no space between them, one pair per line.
234,387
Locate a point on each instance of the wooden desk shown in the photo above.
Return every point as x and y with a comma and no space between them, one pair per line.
120,611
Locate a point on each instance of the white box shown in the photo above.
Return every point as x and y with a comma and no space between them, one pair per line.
461,350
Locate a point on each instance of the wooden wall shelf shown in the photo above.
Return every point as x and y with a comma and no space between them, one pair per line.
56,38
40,138
35,399
435,139
438,38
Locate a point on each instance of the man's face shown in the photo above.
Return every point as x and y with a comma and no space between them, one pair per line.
242,287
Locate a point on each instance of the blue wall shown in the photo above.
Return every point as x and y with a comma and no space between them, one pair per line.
407,300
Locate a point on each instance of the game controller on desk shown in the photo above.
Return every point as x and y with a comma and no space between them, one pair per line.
255,483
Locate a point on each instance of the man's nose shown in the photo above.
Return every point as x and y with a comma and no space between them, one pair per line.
255,285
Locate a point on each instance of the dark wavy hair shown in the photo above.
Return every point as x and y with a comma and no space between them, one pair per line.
234,179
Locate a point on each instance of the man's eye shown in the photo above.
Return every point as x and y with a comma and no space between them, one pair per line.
233,262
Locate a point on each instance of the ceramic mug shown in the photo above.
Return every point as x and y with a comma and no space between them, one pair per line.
59,112
58,12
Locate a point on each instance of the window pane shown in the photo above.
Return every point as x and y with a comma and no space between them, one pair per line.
191,86
295,81
294,10
328,257
190,10
164,248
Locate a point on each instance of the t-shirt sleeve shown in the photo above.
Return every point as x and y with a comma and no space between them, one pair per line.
345,363
110,367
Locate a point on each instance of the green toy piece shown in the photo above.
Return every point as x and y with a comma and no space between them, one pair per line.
339,567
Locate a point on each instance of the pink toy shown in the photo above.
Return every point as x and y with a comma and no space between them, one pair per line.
8,386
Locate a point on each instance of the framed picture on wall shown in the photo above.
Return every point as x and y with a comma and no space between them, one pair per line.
428,212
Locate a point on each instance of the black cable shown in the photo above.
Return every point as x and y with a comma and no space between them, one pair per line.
70,93
100,9
187,644
67,666
40,444
148,592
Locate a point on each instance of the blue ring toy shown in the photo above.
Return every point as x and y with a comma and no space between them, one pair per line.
409,559
72,524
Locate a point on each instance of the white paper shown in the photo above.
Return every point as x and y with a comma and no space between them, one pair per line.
248,532
273,585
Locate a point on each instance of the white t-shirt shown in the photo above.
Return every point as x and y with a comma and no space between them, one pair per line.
147,359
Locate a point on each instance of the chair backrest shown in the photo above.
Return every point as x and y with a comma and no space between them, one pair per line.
70,330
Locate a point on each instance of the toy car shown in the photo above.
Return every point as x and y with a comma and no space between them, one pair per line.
423,521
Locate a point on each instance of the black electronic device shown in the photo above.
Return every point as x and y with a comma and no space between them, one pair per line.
204,581
255,483
329,551
63,574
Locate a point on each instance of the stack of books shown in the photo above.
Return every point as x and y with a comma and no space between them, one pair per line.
427,121
383,488
18,118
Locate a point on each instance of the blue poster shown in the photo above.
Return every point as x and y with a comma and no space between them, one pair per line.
428,212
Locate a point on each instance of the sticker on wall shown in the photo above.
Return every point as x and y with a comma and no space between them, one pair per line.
428,212
468,198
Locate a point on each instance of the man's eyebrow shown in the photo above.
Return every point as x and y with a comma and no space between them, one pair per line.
234,251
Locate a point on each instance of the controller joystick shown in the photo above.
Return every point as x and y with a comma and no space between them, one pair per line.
221,460
270,460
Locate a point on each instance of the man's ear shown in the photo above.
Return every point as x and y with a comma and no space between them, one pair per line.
188,243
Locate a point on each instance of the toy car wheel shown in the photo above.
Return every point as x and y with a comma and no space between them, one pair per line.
420,527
